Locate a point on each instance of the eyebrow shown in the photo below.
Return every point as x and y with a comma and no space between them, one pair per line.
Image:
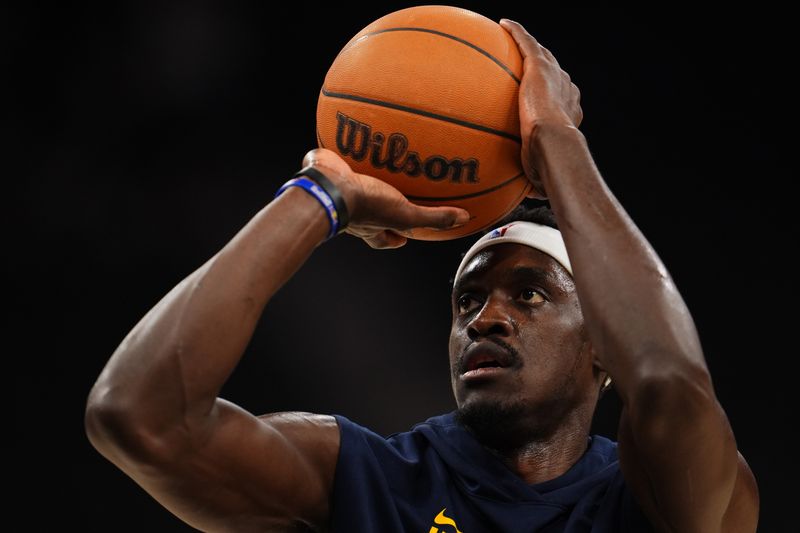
517,273
535,273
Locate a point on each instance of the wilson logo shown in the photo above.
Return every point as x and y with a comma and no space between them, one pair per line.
356,139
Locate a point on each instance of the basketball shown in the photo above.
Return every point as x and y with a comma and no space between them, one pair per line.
426,99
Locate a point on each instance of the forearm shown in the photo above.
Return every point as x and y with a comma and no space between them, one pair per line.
636,319
167,372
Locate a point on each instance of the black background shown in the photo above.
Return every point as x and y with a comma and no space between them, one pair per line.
147,134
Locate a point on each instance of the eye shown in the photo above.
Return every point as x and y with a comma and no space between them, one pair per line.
531,296
465,303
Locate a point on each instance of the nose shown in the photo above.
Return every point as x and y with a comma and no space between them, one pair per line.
492,319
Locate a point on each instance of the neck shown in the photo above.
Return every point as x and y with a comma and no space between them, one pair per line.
533,447
541,460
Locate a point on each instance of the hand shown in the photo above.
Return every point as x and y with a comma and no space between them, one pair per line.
547,98
379,213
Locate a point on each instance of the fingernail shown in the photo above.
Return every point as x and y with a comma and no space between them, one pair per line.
461,219
507,21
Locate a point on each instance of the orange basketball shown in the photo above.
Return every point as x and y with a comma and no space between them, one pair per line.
425,98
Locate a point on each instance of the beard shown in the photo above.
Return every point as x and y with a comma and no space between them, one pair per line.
500,426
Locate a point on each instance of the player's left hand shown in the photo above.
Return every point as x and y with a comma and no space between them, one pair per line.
547,98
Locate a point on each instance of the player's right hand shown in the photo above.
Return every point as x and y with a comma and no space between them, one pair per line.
379,213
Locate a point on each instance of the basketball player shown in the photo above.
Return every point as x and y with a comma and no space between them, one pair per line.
542,320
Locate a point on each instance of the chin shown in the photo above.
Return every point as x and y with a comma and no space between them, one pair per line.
496,424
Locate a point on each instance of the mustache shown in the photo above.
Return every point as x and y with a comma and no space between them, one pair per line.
512,352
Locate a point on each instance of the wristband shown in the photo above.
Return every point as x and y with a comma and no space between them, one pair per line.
322,197
333,192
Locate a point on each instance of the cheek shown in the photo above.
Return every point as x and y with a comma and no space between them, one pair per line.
555,341
455,344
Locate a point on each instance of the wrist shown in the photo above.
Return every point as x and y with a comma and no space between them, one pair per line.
350,191
326,193
549,141
306,211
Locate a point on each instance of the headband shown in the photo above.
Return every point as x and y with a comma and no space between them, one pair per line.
538,236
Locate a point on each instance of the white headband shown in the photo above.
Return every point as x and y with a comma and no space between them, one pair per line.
543,238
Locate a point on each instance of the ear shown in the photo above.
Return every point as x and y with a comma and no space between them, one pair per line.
600,370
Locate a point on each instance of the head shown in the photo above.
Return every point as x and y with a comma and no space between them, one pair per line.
522,367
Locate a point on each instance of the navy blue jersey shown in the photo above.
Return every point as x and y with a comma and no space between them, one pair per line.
437,478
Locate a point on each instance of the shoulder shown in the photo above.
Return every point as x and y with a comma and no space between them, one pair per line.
407,448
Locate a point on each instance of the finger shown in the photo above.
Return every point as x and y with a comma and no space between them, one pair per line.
311,157
387,239
577,110
326,161
535,195
417,216
528,45
578,117
319,155
535,187
550,57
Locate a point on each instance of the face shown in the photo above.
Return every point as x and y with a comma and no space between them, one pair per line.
517,337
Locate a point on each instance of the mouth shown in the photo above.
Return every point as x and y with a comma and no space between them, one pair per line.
486,359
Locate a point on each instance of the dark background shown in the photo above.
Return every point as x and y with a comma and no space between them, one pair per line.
147,134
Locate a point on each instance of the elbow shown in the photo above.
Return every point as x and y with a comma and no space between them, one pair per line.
116,430
104,420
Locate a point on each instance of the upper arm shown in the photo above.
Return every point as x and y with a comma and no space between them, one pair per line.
248,473
679,458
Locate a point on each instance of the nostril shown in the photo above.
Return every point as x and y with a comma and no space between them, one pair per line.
496,329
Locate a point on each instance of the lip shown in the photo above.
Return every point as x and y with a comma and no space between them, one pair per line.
483,374
481,352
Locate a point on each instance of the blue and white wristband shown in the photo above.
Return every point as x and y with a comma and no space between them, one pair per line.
326,192
322,197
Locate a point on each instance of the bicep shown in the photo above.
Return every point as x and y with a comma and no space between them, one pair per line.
684,470
249,473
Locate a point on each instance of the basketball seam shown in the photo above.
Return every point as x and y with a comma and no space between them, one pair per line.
448,36
421,112
516,201
464,196
494,221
